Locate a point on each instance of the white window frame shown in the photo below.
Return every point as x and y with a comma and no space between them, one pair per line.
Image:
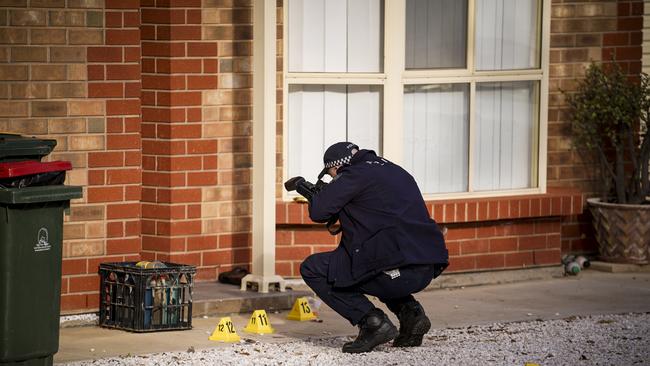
394,77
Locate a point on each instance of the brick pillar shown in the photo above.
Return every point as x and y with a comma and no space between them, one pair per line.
227,116
582,32
115,175
180,151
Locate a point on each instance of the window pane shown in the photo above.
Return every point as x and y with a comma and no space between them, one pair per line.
506,34
436,34
335,35
320,115
503,142
436,136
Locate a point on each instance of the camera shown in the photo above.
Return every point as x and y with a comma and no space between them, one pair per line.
305,188
309,190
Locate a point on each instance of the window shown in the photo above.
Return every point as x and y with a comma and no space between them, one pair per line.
455,91
503,141
335,35
320,115
507,34
436,34
436,131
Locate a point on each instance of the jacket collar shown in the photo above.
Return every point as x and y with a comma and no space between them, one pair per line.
362,155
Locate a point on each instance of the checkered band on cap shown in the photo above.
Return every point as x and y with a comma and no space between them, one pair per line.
338,154
342,161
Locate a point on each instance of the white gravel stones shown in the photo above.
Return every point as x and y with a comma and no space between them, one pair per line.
593,340
81,318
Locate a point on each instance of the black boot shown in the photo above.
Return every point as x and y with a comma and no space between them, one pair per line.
413,325
374,329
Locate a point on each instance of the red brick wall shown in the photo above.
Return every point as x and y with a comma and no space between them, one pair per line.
582,32
69,70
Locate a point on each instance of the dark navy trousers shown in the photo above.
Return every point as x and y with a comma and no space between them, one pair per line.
351,302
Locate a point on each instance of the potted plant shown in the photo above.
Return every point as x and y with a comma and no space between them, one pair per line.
609,125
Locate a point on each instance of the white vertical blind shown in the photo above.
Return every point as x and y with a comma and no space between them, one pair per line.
364,116
505,117
320,115
365,36
335,35
506,34
436,34
436,136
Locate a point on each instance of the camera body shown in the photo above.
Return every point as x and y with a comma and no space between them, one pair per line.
309,190
305,188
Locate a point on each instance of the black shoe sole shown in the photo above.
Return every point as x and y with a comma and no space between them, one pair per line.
414,339
388,335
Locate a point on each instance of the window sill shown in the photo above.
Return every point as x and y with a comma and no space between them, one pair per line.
556,202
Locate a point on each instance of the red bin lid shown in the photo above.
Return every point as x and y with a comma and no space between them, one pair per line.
29,167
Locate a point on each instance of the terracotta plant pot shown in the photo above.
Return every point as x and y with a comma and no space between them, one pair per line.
622,231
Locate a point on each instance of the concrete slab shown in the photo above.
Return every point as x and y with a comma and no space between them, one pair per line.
496,277
211,298
619,267
591,292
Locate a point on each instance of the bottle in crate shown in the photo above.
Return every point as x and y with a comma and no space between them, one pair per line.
150,285
174,292
160,308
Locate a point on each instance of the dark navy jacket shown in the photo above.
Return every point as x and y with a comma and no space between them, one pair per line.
385,222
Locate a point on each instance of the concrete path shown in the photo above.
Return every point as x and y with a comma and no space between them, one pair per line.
589,293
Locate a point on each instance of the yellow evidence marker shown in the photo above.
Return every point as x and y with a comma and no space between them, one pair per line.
259,323
301,310
225,331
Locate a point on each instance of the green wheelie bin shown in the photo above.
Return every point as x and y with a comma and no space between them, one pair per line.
31,237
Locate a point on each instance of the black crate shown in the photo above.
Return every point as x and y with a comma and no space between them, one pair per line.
145,299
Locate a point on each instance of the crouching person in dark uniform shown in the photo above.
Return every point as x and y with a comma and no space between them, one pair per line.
390,247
